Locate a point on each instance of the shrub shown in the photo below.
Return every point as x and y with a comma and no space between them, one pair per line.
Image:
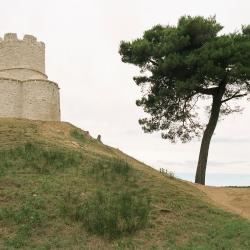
109,214
110,167
120,166
167,173
77,134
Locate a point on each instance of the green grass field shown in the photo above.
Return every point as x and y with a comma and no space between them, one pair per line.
62,189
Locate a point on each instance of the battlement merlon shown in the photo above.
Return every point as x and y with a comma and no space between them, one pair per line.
27,54
29,39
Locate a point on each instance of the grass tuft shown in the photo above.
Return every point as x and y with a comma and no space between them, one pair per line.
28,217
77,134
113,209
110,169
107,213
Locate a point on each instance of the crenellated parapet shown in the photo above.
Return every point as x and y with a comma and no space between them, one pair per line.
25,57
25,91
28,39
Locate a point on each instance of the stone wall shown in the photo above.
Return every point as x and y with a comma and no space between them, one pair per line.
22,74
31,99
10,98
41,100
22,54
25,91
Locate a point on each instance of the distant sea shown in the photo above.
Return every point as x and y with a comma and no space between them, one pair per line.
219,179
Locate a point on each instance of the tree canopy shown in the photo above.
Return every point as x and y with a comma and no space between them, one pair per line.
184,63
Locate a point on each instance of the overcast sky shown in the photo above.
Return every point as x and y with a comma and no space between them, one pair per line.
97,91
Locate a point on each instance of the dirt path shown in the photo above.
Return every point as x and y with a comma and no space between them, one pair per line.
232,199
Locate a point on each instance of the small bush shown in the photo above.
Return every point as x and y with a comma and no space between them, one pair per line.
167,173
4,213
111,168
120,166
77,134
39,158
109,214
171,175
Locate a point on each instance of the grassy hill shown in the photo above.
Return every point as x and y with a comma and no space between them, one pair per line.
62,189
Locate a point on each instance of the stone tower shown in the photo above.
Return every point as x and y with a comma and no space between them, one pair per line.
25,91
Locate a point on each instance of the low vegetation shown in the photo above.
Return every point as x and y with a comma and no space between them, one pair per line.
28,217
57,195
36,156
109,214
107,211
78,134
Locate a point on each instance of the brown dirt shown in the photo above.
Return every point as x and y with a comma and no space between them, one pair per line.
232,199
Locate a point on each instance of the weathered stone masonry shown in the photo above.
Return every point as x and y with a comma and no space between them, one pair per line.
25,91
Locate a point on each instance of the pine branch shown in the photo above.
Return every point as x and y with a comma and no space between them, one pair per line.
153,62
209,91
233,96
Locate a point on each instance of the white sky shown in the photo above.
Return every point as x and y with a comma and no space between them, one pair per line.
97,91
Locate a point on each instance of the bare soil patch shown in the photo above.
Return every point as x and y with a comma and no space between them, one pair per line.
232,199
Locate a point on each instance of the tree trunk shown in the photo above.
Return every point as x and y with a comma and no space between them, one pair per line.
215,111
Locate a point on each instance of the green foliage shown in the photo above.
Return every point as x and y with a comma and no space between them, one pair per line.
3,213
38,157
110,212
126,244
77,134
120,167
2,172
222,236
107,213
167,173
184,63
246,30
110,168
28,217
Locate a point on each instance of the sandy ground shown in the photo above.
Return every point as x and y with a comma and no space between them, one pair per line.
232,199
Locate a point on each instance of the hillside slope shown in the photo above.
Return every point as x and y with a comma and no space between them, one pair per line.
62,189
236,199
